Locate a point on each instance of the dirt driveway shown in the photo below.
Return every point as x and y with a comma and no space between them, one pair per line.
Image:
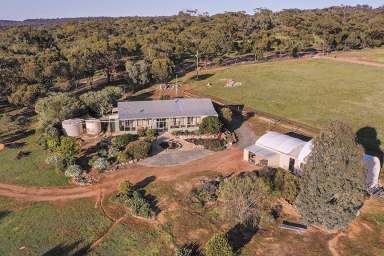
225,162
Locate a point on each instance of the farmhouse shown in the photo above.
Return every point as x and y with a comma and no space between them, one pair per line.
278,150
162,115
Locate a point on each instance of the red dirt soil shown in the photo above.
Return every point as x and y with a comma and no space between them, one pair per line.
225,162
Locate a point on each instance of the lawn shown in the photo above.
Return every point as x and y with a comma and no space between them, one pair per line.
374,55
49,229
31,169
310,91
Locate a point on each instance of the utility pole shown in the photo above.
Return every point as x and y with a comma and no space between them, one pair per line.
197,64
177,87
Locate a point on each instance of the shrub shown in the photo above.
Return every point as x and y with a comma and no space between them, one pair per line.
150,132
218,245
210,144
210,125
121,141
55,160
226,114
68,149
42,142
139,205
141,132
139,149
184,251
100,164
122,157
126,187
287,184
73,171
52,131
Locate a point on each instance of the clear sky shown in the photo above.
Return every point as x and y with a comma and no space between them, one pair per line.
26,9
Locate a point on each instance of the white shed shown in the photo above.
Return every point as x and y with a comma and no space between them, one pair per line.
72,127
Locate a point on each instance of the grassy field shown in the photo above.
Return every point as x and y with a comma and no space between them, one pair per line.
31,169
310,91
49,229
374,55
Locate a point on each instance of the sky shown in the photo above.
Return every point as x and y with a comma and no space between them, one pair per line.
27,9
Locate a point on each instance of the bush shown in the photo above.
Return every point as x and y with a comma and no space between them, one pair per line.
100,164
210,144
218,245
139,205
42,142
150,132
141,132
126,187
287,184
210,125
184,251
122,157
55,160
52,131
73,171
121,141
226,114
139,149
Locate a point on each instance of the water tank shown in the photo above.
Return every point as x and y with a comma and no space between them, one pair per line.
93,126
72,127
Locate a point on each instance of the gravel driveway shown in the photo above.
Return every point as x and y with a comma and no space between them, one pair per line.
175,157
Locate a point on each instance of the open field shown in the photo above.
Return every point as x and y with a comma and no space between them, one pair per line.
31,169
373,55
49,229
310,91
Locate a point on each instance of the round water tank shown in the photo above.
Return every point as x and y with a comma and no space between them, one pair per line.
72,127
93,126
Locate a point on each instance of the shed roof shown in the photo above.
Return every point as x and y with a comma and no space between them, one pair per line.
165,108
262,152
282,143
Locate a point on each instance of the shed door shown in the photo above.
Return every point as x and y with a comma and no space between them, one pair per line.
291,164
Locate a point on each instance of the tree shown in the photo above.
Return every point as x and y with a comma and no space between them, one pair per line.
226,115
138,72
246,200
68,150
25,95
58,107
162,69
332,189
218,245
210,125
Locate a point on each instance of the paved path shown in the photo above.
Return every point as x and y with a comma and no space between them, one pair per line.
174,157
227,161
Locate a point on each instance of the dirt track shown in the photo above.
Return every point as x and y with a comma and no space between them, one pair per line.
351,60
225,162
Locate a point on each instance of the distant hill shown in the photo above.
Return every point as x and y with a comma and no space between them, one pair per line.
39,22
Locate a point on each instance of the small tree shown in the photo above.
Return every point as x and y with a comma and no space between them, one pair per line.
126,187
139,149
246,200
218,245
121,141
226,115
68,149
210,125
332,189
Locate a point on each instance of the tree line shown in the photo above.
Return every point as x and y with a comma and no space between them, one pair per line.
33,59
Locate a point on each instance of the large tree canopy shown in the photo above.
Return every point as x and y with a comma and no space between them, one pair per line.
333,182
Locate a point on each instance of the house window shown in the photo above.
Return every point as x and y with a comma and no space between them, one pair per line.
161,124
190,122
127,125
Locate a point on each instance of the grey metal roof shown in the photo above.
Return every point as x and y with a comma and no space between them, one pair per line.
165,108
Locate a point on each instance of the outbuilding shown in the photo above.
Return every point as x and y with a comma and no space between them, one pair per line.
279,150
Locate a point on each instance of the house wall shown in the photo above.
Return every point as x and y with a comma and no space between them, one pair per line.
170,124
